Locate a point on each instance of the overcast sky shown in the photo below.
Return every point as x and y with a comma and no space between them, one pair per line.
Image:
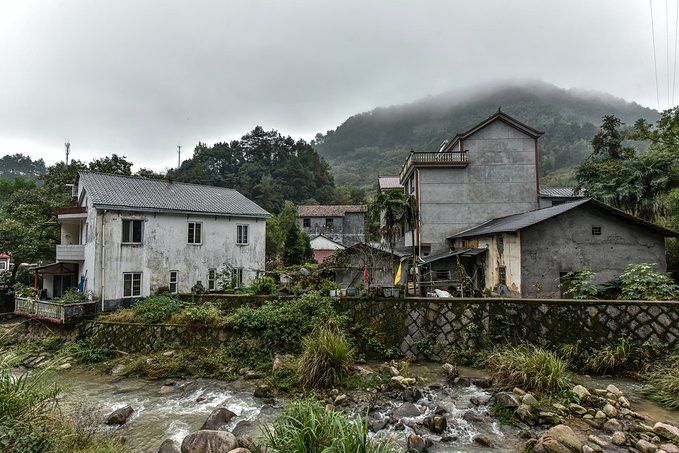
140,77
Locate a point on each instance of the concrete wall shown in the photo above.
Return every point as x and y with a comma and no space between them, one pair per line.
165,248
499,180
348,230
379,266
565,243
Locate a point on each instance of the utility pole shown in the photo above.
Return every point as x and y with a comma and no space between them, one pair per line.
67,144
179,156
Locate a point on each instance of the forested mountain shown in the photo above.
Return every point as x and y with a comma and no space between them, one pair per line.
265,167
376,142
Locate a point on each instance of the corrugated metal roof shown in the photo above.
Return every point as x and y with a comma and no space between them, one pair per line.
329,210
560,192
389,182
517,222
448,254
134,192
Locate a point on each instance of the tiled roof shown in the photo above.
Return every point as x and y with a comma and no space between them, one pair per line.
329,210
517,222
560,192
389,182
134,192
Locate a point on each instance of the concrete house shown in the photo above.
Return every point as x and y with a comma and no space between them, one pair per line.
328,224
130,236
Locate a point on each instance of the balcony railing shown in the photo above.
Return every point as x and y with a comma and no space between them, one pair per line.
53,311
434,159
71,252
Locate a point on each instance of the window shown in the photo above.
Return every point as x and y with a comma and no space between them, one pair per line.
132,231
500,241
306,222
502,272
328,222
211,279
3,265
195,232
238,272
242,235
132,284
173,282
596,231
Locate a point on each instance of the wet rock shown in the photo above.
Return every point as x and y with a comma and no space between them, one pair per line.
669,448
577,409
618,438
530,400
597,441
119,416
581,392
411,394
645,446
377,424
406,410
484,440
610,411
209,441
480,400
450,371
165,389
169,446
613,425
246,441
558,439
473,417
418,443
613,390
243,428
262,391
482,382
507,400
666,431
218,419
524,413
440,410
436,424
549,418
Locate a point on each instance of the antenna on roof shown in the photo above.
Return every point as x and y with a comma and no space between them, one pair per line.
179,156
499,109
67,144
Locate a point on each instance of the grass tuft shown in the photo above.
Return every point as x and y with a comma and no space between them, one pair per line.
610,358
529,367
662,384
326,358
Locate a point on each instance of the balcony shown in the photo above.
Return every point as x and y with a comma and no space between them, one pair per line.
53,311
433,159
71,252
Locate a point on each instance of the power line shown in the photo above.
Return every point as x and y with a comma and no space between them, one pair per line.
655,61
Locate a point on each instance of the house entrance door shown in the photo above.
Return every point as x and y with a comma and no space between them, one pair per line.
61,284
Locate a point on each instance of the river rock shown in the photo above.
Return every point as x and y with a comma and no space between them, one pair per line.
669,448
588,449
577,409
407,410
169,353
559,439
598,441
65,366
435,424
218,419
473,417
117,369
645,446
209,441
618,438
277,362
507,400
240,450
246,441
262,391
411,394
613,425
119,416
450,371
666,431
610,411
165,389
581,392
613,390
169,446
418,443
530,400
524,413
484,440
377,424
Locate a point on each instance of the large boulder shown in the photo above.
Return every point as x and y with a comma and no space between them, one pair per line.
667,431
209,441
581,392
507,400
169,446
218,419
407,410
119,416
559,439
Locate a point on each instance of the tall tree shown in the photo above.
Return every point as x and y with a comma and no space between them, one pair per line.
114,164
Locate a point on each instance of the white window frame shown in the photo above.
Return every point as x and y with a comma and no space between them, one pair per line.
3,265
211,279
239,276
141,280
191,240
239,229
131,232
174,282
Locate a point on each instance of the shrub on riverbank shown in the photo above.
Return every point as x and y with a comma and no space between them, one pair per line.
610,358
529,367
306,426
662,384
326,358
216,362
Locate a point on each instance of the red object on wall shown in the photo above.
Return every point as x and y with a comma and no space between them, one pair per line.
321,255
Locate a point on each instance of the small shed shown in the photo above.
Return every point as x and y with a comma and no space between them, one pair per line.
373,260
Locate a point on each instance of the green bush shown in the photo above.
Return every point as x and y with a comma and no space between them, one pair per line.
156,308
306,426
204,314
611,358
579,284
86,351
529,367
263,285
72,296
326,358
662,383
642,282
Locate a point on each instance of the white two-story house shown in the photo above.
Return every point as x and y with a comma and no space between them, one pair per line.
129,237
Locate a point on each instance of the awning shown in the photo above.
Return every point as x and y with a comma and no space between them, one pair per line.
57,269
457,252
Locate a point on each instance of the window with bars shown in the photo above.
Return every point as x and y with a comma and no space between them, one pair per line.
132,284
172,281
596,231
238,272
195,232
211,274
132,231
306,222
242,234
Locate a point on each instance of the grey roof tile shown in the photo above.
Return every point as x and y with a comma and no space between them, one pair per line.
134,192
